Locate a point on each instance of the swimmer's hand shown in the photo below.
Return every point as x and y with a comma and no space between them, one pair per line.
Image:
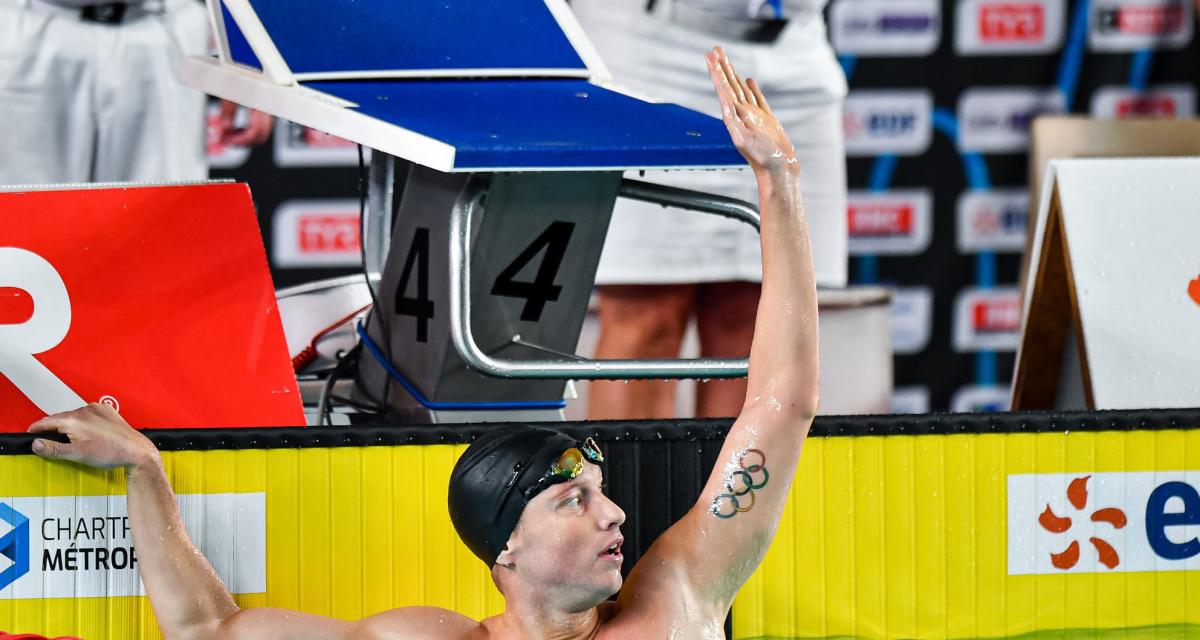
97,436
755,130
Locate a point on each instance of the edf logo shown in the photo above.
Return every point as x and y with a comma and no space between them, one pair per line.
14,545
888,121
43,330
1159,519
1103,522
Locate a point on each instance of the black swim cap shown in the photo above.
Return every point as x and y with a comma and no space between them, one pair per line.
488,484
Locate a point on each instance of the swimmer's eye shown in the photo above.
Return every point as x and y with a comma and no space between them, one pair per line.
573,502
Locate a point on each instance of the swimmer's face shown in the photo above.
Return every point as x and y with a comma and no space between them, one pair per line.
562,544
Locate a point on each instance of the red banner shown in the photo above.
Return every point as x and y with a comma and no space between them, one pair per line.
155,300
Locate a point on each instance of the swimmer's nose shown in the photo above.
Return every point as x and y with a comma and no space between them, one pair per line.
613,515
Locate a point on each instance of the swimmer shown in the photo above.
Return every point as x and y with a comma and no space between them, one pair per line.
529,501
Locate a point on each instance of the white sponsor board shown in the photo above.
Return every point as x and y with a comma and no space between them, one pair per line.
889,121
1167,101
1144,521
992,220
1131,25
997,120
977,398
885,27
986,319
912,319
1132,233
300,146
82,547
910,400
897,222
316,233
1006,27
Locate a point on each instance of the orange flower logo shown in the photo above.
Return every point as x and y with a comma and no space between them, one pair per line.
1194,290
1077,494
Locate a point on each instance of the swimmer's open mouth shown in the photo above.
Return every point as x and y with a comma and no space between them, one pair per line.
614,549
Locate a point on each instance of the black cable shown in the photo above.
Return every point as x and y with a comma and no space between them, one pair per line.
327,390
355,404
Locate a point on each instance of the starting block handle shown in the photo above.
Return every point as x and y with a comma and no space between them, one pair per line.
731,208
581,368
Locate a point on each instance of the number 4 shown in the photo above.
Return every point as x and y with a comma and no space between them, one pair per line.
542,290
420,307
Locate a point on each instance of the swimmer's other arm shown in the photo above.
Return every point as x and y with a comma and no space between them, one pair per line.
188,597
714,549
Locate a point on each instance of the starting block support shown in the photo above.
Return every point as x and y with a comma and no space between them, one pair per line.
492,183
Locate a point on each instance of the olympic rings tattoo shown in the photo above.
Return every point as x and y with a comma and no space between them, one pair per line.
730,503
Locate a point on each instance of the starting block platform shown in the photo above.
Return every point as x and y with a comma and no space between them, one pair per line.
481,85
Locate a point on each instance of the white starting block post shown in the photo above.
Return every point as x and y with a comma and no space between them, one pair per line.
1111,305
499,153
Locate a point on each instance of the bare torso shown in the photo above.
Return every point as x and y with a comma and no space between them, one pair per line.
653,604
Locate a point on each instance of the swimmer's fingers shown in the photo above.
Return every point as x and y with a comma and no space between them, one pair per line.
758,95
57,423
52,449
97,436
744,92
731,75
725,93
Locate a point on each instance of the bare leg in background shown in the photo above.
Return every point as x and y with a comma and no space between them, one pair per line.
639,321
725,321
649,321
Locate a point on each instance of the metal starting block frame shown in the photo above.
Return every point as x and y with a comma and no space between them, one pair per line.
499,153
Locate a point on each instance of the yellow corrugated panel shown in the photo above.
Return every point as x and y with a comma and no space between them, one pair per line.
351,532
885,537
902,537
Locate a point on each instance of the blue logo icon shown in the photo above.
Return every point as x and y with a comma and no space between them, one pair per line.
14,545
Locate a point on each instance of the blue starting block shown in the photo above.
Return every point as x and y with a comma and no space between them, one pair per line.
500,144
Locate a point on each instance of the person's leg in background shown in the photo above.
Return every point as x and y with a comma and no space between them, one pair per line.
639,321
725,313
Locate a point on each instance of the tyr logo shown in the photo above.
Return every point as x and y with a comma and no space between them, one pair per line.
41,331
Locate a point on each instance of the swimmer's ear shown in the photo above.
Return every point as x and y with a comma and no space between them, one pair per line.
505,559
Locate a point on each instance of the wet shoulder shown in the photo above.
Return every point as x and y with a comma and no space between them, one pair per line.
661,609
422,623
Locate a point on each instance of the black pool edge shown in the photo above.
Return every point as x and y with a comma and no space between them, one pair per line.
644,430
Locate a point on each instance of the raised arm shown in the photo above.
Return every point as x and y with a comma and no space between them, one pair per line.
721,541
188,597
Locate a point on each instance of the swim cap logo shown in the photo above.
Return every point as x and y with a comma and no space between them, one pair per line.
43,330
1077,494
1194,290
14,545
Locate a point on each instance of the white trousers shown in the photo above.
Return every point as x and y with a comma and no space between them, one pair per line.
88,102
663,61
